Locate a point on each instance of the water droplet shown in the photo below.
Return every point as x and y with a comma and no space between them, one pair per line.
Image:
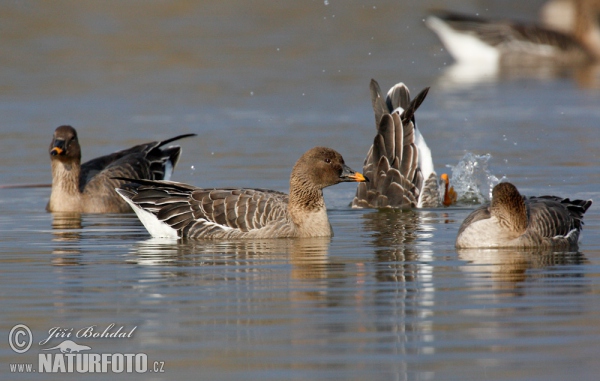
472,180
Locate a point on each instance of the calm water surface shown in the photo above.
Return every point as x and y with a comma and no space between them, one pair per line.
388,297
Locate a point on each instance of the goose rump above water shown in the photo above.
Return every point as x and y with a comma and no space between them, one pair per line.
398,164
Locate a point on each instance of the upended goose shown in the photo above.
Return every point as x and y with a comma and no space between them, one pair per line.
175,210
472,39
399,163
90,187
512,220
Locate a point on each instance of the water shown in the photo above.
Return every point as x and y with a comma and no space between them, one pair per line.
388,297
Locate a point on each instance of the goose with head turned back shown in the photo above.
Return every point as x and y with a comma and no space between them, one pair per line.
90,187
399,162
512,220
176,210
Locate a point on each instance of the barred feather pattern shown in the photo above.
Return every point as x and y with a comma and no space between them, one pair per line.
392,163
227,213
522,222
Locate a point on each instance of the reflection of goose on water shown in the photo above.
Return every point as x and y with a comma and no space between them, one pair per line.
307,256
570,34
176,210
509,267
89,187
511,220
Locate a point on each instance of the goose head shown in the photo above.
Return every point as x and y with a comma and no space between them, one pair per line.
65,145
321,167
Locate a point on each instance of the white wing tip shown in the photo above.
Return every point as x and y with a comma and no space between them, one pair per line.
156,228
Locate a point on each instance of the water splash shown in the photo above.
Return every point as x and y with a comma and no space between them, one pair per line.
472,179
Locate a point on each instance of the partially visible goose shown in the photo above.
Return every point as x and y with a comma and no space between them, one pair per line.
176,210
512,220
90,187
450,195
472,39
399,163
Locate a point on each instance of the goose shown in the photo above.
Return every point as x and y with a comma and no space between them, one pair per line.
511,220
176,210
89,187
399,162
477,40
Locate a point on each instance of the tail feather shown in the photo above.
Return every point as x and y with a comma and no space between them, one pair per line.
409,113
379,106
162,143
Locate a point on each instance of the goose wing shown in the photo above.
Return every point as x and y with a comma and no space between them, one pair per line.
205,213
551,216
481,213
145,161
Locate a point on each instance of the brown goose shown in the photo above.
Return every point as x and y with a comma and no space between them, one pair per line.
512,220
176,210
89,187
399,162
472,39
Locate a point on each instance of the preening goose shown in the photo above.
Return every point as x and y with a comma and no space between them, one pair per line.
477,40
90,187
398,164
176,210
512,220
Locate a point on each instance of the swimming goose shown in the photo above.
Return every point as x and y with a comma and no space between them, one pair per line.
399,162
89,187
472,39
175,210
512,220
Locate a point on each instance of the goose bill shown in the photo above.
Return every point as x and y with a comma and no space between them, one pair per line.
59,148
350,175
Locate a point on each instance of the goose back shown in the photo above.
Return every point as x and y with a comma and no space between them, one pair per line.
543,221
226,213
